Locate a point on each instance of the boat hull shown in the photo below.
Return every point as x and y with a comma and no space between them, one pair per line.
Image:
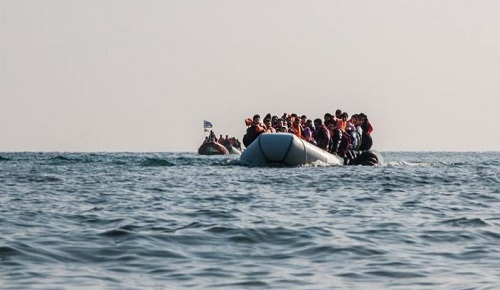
233,150
287,149
212,148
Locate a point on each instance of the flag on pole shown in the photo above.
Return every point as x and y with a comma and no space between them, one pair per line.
207,124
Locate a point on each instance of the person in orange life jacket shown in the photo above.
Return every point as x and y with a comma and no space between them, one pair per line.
337,130
344,149
268,127
321,134
253,131
297,128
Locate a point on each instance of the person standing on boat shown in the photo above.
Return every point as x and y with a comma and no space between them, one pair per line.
321,134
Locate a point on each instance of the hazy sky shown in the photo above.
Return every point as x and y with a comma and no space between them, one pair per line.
130,75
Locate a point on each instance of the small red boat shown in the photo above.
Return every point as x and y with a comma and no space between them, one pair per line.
212,148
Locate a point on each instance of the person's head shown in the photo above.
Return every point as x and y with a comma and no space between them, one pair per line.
279,123
362,118
256,119
338,112
283,129
296,121
309,123
267,122
327,117
318,122
344,116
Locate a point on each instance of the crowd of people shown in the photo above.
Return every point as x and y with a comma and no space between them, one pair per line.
227,141
335,133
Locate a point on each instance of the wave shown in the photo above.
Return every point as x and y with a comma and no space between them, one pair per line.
156,162
63,160
422,163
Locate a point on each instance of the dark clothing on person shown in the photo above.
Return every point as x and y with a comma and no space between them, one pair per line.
322,137
252,133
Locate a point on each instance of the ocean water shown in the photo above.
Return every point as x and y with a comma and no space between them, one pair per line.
422,220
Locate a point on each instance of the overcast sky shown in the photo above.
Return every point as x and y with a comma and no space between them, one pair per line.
130,75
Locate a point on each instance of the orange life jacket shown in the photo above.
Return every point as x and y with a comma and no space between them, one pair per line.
298,131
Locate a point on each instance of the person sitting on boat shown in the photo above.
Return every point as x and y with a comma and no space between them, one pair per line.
350,129
221,140
268,127
321,134
282,129
274,119
253,131
338,114
309,124
337,128
212,137
327,118
227,141
344,148
297,128
308,135
279,124
237,143
303,120
366,139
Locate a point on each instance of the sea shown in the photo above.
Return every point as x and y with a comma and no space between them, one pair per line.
421,220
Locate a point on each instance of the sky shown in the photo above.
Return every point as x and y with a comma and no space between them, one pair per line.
141,76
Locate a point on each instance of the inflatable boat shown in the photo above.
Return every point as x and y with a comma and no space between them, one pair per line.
285,148
212,148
